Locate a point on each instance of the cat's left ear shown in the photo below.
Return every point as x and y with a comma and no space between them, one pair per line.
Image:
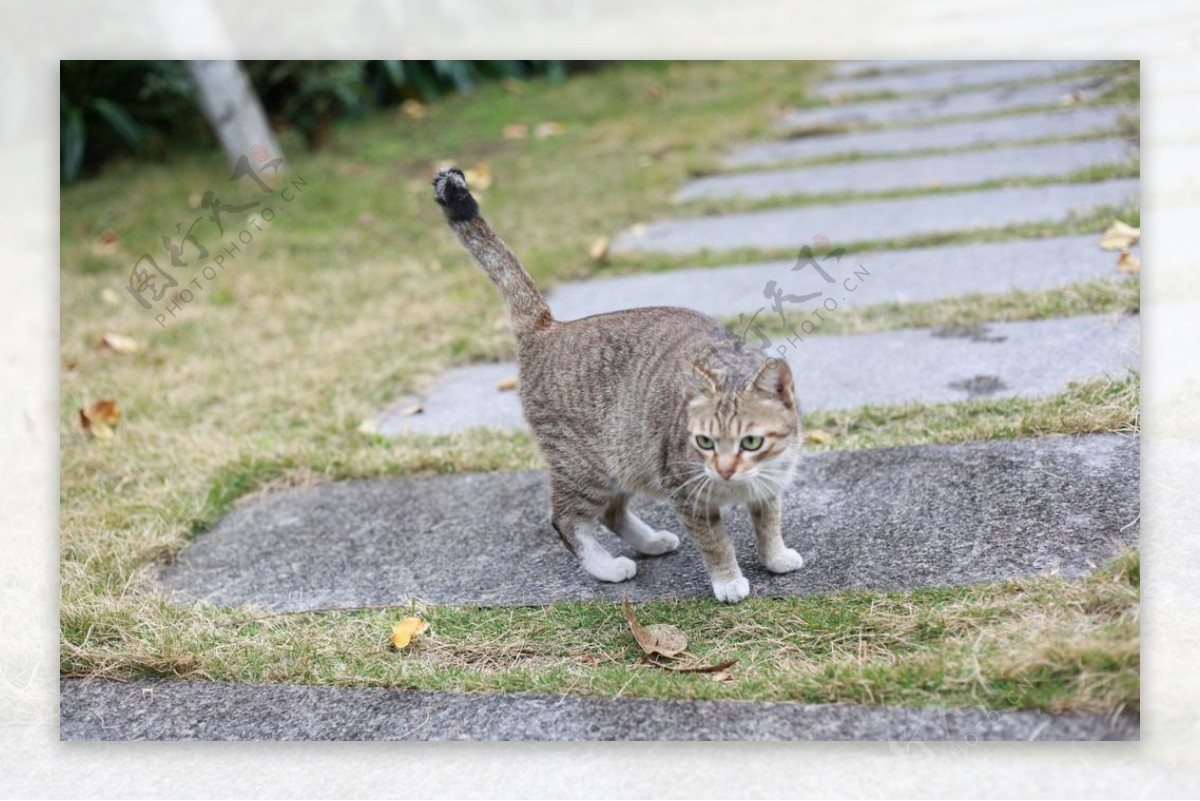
775,379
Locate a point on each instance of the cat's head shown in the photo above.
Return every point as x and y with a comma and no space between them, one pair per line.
743,429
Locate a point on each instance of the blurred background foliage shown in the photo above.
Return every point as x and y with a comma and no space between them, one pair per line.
121,109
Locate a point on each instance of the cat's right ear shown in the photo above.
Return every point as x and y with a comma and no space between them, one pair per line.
698,380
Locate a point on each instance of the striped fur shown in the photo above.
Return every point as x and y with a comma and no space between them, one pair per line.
617,403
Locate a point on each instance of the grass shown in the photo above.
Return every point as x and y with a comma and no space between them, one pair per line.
356,294
1099,296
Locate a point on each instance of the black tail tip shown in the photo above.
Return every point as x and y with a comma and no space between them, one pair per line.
451,192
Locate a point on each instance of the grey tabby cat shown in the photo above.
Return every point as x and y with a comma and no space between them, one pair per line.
661,401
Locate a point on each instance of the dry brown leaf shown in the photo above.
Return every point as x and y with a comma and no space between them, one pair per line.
818,437
545,130
106,245
406,629
414,109
1120,236
516,130
100,417
723,675
478,177
720,667
599,249
657,638
1129,263
118,343
506,384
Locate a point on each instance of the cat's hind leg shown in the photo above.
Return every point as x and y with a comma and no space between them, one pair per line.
634,531
574,516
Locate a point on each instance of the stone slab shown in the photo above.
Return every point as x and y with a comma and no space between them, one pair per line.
853,69
1026,359
1012,129
895,276
194,710
883,519
876,219
926,109
952,78
1055,160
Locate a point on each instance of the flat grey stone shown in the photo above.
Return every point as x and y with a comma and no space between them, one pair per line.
1012,129
889,518
944,80
925,109
95,709
1056,160
895,276
877,219
852,69
1019,359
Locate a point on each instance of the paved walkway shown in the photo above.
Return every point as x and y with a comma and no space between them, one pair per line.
928,365
881,518
890,518
193,710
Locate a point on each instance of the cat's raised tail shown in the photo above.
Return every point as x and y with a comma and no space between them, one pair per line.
526,307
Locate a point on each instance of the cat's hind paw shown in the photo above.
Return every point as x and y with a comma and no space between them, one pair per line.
661,542
731,591
785,561
613,569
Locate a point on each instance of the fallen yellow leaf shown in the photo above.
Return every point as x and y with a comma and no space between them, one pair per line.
506,384
413,108
545,130
118,343
599,249
657,638
406,629
99,418
1120,236
818,437
516,131
1129,263
478,177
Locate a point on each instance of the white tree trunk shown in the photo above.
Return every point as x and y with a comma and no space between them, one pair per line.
233,110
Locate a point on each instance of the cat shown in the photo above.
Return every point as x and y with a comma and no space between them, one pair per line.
659,401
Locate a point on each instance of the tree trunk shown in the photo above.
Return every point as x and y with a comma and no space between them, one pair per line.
233,110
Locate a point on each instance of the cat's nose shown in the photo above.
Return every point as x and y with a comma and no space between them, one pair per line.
725,472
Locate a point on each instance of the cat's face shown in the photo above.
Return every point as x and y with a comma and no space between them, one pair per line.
748,435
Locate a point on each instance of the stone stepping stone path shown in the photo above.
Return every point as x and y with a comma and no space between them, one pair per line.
932,365
957,169
916,274
1013,129
852,69
976,74
887,518
876,219
194,710
927,109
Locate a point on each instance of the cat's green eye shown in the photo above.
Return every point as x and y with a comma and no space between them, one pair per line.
751,443
705,442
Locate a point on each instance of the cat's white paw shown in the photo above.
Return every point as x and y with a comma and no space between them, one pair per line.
614,569
785,561
731,591
662,542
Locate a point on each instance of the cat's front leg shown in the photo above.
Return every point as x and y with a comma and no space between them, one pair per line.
705,528
768,536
